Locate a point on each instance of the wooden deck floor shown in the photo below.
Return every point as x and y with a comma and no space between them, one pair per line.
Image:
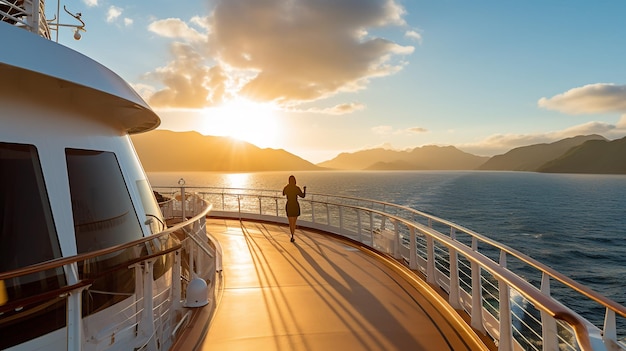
320,293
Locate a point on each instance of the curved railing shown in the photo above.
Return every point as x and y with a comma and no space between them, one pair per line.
148,315
518,314
28,14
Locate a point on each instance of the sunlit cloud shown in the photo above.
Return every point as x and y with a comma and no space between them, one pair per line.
389,130
417,130
175,28
305,49
592,98
501,143
189,82
113,13
341,109
288,52
91,3
128,22
414,35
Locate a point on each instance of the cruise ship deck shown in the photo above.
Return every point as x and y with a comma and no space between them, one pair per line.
320,293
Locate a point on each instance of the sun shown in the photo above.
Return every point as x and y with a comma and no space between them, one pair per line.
244,120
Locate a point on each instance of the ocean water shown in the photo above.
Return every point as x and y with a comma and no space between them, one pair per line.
575,224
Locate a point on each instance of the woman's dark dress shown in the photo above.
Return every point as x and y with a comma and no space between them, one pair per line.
292,207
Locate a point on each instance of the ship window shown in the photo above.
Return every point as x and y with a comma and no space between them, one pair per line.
103,211
104,216
25,215
27,236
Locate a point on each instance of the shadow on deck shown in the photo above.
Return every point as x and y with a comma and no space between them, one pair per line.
322,293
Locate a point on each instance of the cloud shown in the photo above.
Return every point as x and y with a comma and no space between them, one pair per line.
417,130
341,109
91,3
128,22
389,130
189,82
414,35
175,28
592,98
291,52
113,13
305,50
501,143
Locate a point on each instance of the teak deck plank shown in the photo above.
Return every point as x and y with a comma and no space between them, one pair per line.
319,293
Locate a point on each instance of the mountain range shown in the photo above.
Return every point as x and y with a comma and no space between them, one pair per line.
420,158
162,150
533,157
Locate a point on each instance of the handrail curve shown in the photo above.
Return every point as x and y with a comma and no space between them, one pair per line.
144,306
62,261
264,204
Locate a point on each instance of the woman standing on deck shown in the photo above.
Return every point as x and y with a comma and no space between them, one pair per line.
292,191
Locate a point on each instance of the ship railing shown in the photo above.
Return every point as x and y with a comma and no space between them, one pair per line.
28,14
481,276
150,314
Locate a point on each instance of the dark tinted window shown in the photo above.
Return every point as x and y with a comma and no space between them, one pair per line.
103,217
27,236
25,216
103,212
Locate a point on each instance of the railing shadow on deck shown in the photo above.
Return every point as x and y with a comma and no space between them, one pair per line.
515,313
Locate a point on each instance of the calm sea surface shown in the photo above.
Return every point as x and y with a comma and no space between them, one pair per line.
573,223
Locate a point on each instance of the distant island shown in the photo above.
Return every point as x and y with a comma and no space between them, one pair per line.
162,151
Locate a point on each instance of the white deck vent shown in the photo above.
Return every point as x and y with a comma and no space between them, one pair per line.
197,293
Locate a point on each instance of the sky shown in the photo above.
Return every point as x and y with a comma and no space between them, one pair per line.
321,77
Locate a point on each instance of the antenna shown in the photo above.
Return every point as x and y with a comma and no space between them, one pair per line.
54,23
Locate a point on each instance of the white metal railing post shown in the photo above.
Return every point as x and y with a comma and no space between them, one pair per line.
610,331
191,261
239,205
146,326
455,286
371,228
33,16
548,323
358,226
327,213
74,320
181,182
477,293
505,342
276,200
430,260
340,219
176,280
396,239
412,249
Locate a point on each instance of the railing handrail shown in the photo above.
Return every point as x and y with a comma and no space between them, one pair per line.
60,262
398,214
563,279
